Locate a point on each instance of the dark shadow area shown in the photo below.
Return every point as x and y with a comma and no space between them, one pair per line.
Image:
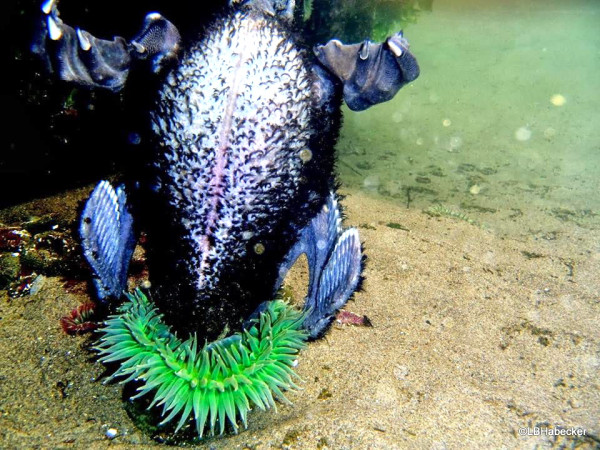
55,136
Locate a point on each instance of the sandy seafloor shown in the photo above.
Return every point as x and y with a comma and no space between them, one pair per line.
479,329
472,339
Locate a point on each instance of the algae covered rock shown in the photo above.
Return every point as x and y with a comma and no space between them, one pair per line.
53,253
10,267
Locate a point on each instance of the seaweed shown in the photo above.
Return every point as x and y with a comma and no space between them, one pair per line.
440,210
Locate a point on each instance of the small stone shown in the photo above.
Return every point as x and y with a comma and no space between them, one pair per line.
350,318
575,404
111,433
37,284
12,238
10,266
379,427
40,224
324,394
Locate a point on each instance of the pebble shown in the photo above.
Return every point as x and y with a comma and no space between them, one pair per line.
36,285
575,404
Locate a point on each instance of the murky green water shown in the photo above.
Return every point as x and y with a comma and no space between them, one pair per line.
502,124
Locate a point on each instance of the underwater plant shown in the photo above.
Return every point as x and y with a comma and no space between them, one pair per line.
220,381
440,210
351,21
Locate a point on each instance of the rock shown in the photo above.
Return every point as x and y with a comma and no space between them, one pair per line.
10,267
40,224
53,253
12,238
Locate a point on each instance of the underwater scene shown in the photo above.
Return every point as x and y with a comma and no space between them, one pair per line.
257,224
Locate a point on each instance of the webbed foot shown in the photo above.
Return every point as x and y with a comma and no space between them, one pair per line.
371,73
108,239
77,56
335,264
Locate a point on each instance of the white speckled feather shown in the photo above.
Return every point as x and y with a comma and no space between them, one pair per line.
232,120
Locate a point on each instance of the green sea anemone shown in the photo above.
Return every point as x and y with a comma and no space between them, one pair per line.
217,383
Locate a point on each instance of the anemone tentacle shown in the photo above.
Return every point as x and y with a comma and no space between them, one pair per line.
216,383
